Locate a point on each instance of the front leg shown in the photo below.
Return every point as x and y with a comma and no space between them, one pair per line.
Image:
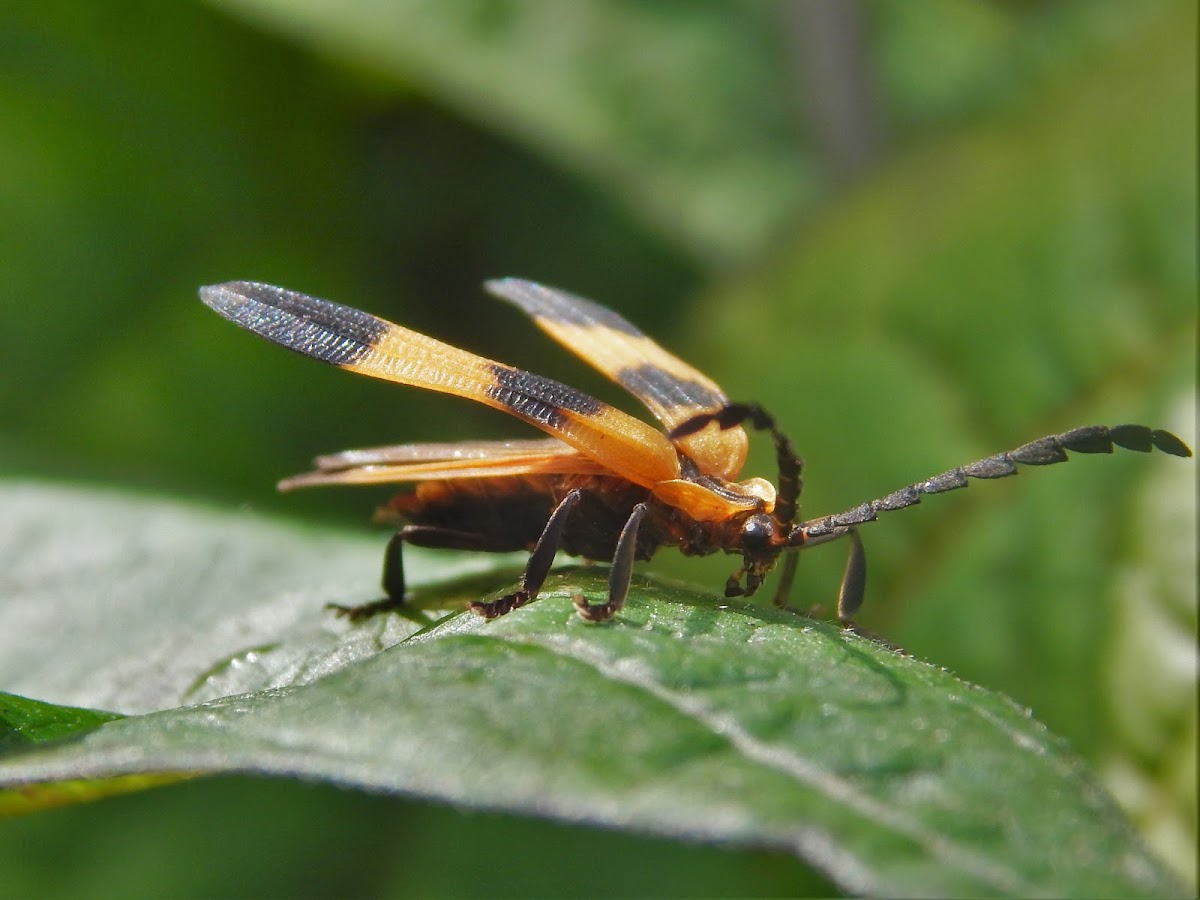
619,574
854,578
538,566
854,581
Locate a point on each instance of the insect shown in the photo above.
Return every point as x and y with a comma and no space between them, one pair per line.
604,485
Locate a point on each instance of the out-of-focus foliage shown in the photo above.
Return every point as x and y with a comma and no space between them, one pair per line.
1017,257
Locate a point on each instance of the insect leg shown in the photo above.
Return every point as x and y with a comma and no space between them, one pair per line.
393,565
854,581
619,574
789,462
786,577
538,566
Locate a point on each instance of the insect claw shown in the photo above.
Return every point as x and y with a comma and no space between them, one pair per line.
364,611
592,612
493,609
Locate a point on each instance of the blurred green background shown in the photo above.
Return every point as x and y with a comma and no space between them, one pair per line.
919,233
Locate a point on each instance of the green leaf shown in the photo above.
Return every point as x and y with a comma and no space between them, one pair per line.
24,721
685,717
674,107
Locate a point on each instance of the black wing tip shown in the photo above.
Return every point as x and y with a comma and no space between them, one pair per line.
498,285
229,295
221,296
327,331
553,304
529,296
513,289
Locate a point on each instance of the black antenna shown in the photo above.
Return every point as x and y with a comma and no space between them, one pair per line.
789,462
1042,452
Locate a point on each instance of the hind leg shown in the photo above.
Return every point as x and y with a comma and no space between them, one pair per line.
393,565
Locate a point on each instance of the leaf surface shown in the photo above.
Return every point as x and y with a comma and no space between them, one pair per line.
685,717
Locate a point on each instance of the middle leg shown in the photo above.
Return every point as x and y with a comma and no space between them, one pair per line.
538,566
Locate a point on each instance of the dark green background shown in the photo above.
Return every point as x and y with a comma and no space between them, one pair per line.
1014,255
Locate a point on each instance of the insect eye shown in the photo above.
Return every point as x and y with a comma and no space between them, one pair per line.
757,532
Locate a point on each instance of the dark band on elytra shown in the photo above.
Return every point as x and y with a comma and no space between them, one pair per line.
651,383
539,399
